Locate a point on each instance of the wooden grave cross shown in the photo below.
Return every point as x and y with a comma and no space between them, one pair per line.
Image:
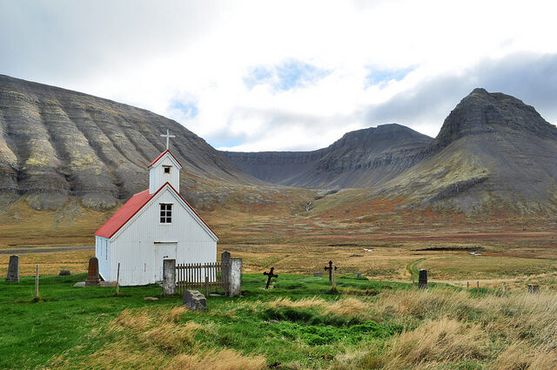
270,275
331,268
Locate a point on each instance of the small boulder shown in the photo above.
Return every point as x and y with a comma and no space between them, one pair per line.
79,284
64,273
194,300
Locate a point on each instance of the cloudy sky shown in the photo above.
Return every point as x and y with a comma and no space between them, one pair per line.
287,75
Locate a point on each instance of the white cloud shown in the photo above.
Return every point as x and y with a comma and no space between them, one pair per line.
158,54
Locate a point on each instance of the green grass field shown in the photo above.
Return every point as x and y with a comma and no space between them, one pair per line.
295,325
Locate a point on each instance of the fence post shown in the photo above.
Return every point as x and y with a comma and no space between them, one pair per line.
37,295
118,280
169,277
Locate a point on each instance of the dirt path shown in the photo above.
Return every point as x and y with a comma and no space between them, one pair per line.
26,250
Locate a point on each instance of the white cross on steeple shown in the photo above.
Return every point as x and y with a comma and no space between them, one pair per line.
167,136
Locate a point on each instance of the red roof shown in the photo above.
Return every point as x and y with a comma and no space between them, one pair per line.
162,155
131,207
124,214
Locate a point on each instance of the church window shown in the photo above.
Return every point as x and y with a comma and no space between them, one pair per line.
166,213
166,169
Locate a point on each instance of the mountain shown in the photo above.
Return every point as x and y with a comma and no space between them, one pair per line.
360,158
56,143
493,151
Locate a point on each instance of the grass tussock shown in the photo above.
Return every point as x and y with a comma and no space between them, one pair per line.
436,342
218,360
312,302
175,314
170,337
348,307
345,307
130,320
521,355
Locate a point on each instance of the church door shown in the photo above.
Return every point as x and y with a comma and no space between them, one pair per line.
163,251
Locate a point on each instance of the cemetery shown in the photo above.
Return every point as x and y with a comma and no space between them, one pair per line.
160,293
273,319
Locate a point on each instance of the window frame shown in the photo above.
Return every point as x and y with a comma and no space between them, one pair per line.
165,213
166,169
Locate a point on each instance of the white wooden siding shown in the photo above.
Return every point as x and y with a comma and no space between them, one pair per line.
134,245
102,252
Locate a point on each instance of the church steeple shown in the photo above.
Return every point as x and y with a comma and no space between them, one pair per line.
165,168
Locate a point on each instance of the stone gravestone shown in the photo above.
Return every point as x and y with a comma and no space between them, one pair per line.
194,300
225,269
231,274
235,277
93,272
169,277
13,269
422,279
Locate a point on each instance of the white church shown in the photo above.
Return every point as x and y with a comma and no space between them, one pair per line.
154,225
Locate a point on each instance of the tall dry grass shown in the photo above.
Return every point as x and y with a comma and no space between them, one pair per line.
446,327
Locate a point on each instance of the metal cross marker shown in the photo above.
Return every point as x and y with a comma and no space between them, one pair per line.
167,136
270,275
331,268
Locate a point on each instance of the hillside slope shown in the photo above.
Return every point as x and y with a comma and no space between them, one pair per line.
359,159
56,143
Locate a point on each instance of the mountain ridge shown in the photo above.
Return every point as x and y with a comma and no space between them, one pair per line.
350,161
492,150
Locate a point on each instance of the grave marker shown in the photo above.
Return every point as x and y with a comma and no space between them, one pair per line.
270,275
330,269
194,300
422,279
169,276
93,272
235,277
13,270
